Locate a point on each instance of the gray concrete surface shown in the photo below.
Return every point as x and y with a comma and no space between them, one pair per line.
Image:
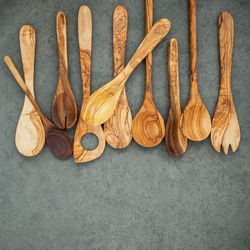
135,198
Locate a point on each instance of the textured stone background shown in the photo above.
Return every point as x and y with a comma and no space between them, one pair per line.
135,198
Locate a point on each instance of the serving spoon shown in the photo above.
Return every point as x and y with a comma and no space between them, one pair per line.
102,103
148,125
64,109
57,139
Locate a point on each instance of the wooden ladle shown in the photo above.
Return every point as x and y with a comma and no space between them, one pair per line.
118,129
176,142
30,136
195,120
57,139
64,109
85,42
225,126
148,126
102,103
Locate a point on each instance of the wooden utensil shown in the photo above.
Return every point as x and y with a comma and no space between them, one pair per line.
148,126
195,119
118,129
85,42
225,126
64,109
57,139
176,142
30,136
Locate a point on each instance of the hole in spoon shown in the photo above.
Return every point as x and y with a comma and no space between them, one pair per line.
89,141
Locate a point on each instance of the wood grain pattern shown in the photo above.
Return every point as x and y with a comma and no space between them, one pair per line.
148,126
118,129
64,109
57,139
225,126
195,120
30,135
85,43
102,103
176,142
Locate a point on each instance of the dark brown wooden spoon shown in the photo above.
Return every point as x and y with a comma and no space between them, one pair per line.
57,139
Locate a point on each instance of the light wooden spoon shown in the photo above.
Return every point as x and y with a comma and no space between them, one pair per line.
148,126
195,120
64,109
176,142
57,139
118,129
30,136
225,126
85,42
102,103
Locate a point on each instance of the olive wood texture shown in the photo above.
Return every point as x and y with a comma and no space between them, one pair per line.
176,142
195,119
64,109
118,129
148,126
57,139
225,126
85,42
102,103
30,136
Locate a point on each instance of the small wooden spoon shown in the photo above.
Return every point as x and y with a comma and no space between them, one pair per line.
195,120
85,42
176,142
148,126
102,103
64,109
57,139
225,126
118,129
30,136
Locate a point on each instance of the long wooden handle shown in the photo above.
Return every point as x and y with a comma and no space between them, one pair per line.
85,44
226,37
149,59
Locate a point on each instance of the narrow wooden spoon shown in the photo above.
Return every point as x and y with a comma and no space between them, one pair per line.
148,126
102,103
85,42
195,120
64,109
57,139
176,142
118,129
30,136
225,126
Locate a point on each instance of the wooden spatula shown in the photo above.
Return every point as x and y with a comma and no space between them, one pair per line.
225,126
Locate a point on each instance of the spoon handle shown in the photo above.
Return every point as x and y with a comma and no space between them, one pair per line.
226,37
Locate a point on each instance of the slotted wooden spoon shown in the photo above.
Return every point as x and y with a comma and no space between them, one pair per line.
64,109
30,136
148,125
225,126
85,42
118,129
57,139
102,103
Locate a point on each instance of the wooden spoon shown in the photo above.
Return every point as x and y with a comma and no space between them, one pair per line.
148,126
176,142
64,109
102,103
57,139
225,126
195,120
30,136
85,41
118,129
